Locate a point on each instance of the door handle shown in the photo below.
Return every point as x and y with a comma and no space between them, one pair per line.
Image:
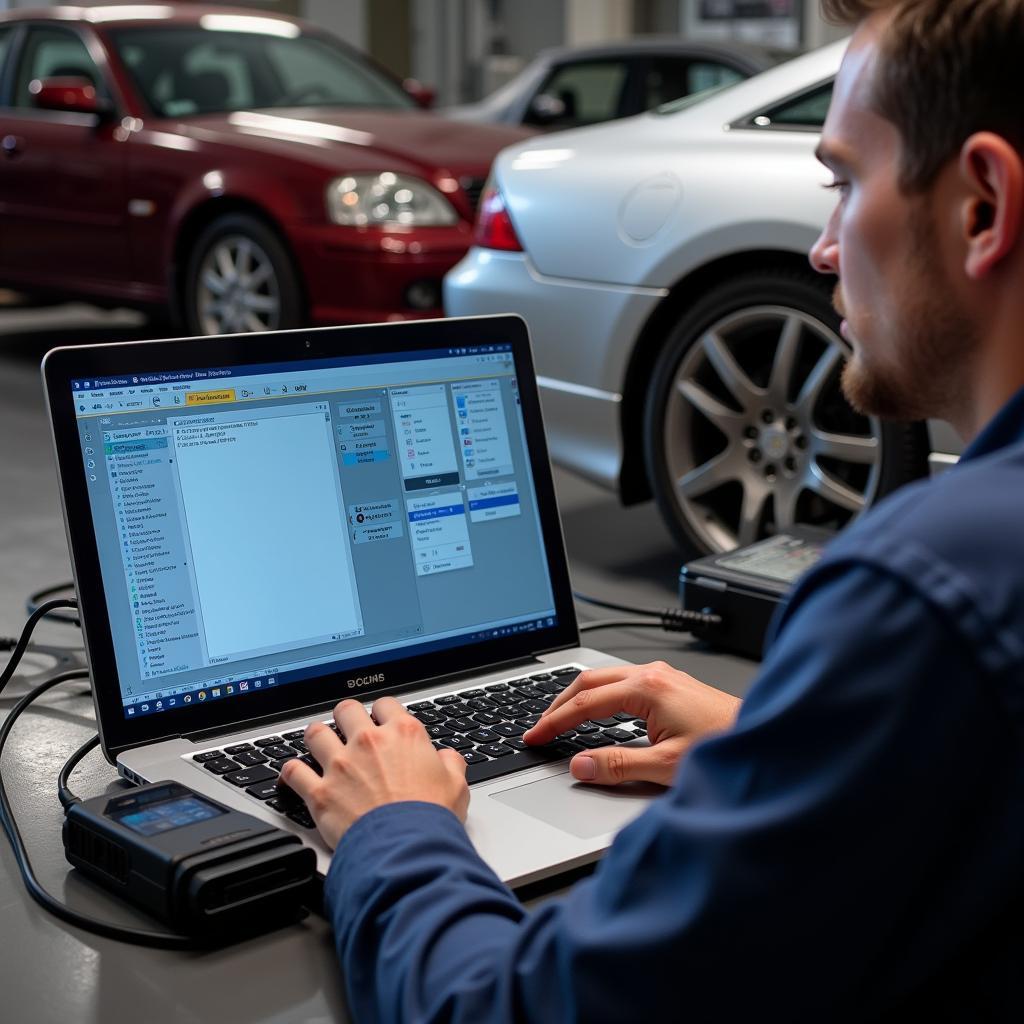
12,145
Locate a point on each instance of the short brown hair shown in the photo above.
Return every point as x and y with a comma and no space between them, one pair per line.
947,69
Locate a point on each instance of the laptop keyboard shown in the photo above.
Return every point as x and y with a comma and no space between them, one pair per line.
484,724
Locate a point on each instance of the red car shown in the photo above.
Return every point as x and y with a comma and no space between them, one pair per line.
246,172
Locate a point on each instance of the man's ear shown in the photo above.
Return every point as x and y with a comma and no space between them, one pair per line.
993,172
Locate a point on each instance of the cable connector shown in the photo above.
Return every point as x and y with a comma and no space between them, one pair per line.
682,620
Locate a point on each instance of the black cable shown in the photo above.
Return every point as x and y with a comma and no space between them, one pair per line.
159,940
64,794
673,620
620,624
26,635
33,601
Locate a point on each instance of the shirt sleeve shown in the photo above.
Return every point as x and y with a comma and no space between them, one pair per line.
823,858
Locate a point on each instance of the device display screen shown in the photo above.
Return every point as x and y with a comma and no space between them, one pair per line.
170,814
269,524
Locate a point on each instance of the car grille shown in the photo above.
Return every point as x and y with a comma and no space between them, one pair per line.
473,187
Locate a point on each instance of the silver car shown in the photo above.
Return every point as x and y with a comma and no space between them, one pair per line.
685,348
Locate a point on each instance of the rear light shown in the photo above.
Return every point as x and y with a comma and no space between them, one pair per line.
494,228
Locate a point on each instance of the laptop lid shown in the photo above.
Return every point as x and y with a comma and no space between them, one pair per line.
265,523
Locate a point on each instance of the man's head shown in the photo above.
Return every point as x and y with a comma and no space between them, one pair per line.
924,138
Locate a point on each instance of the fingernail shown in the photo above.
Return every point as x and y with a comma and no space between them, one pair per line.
584,767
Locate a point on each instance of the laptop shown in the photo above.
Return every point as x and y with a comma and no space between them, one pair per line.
261,525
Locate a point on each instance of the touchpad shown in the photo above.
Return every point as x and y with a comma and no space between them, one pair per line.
580,809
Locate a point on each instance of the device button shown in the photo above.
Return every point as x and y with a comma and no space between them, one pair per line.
250,776
221,767
209,755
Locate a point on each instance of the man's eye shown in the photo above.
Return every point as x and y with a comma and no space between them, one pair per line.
836,186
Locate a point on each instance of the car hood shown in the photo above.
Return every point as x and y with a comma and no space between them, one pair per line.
413,138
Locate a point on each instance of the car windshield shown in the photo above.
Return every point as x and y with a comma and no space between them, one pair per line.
194,70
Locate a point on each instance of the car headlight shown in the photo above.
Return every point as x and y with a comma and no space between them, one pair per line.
360,200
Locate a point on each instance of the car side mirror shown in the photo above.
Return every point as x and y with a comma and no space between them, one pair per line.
546,109
424,95
74,95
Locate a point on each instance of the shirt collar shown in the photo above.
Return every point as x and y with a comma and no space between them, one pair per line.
1006,427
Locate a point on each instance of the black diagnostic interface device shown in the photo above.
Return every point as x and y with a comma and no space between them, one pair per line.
745,587
197,865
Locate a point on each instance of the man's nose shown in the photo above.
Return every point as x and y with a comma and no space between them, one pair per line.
824,254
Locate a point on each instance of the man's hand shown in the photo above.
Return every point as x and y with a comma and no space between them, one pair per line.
383,760
679,711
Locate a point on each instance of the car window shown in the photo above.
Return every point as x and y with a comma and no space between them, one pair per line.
707,74
806,111
53,53
188,71
590,92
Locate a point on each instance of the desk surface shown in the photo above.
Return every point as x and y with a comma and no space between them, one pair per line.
53,973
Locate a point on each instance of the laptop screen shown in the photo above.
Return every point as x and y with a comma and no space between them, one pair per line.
260,525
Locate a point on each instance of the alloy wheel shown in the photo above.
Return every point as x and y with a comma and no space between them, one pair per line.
238,289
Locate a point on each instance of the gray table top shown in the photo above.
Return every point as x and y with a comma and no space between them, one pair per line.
52,972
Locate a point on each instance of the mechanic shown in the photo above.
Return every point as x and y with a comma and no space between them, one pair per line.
848,844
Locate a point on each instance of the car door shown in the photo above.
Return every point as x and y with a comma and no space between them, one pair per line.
61,174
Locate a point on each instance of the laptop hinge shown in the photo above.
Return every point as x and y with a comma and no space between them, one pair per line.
312,710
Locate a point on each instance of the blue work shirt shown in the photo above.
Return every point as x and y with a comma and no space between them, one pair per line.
852,850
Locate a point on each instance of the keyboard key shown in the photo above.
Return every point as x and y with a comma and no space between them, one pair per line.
495,749
593,742
483,736
448,698
604,723
532,757
281,762
423,705
487,718
529,692
264,790
428,717
566,748
529,721
295,734
516,743
239,748
457,710
471,694
639,730
496,688
302,817
282,803
298,745
481,704
250,776
312,762
535,706
551,687
618,735
504,699
251,758
587,727
508,729
457,742
279,751
222,766
472,757
439,732
623,716
209,755
567,735
462,724
563,673
267,741
542,677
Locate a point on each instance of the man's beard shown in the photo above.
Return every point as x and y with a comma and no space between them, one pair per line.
931,342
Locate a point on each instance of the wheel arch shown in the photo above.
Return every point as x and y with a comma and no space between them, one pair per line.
196,221
634,484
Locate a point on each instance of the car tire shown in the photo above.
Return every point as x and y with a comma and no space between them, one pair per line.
239,278
746,430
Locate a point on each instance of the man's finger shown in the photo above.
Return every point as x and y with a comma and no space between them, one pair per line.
587,680
299,778
322,742
596,702
387,709
351,718
609,766
453,761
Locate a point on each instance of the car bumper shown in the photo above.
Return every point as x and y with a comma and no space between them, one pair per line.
582,335
369,276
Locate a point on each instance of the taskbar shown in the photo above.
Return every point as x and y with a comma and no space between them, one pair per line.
158,701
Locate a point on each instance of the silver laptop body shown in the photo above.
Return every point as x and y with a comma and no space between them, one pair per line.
262,525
